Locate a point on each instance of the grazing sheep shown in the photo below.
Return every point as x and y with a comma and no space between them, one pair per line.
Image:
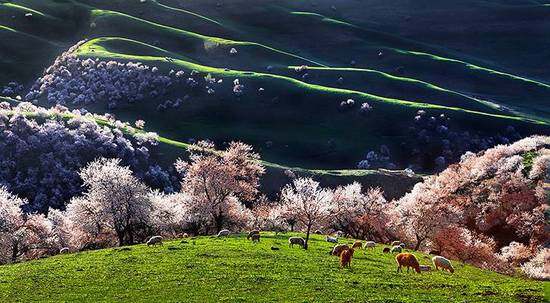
443,263
185,235
64,250
224,233
402,245
345,258
338,249
339,234
407,260
296,240
396,249
154,240
395,243
318,232
357,244
386,250
331,239
425,268
370,244
255,238
251,233
435,252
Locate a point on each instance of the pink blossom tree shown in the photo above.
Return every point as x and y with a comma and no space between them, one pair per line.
361,215
218,180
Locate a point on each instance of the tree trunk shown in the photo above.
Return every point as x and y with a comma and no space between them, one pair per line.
418,243
120,236
307,235
14,252
219,223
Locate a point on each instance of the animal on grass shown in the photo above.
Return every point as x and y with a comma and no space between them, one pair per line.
443,263
255,238
386,250
396,249
425,268
332,239
338,249
251,233
64,250
155,240
345,258
402,245
407,260
224,233
357,245
369,244
296,240
395,243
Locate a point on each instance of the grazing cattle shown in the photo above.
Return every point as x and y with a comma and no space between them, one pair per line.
386,250
396,249
64,250
443,263
296,240
255,238
345,258
254,232
331,239
357,245
224,233
407,260
395,243
370,244
155,240
338,249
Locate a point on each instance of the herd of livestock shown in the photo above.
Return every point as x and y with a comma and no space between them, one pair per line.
345,251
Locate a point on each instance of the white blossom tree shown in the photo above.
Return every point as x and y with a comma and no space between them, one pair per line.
306,199
116,200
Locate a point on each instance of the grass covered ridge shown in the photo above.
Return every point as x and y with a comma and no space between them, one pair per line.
235,270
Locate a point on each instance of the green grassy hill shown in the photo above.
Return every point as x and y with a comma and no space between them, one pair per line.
401,64
235,270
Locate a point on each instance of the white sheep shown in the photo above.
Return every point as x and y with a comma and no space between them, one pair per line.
332,239
370,244
396,249
443,263
64,250
155,240
395,243
224,233
296,240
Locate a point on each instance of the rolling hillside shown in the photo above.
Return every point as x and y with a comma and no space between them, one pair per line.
366,55
235,270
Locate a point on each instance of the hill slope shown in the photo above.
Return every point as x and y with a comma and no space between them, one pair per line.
398,69
235,270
